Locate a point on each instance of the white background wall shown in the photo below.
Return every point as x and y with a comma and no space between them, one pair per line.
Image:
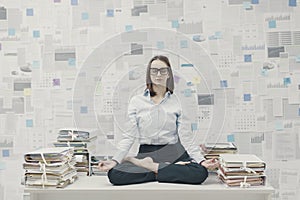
75,63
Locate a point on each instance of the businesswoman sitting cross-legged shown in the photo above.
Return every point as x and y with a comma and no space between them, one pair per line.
166,151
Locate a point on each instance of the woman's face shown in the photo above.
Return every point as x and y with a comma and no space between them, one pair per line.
159,72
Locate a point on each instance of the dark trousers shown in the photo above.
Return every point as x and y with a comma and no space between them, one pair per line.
169,172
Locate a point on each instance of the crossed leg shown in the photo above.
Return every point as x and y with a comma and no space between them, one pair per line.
149,164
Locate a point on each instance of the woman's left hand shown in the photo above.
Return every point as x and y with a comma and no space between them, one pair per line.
210,164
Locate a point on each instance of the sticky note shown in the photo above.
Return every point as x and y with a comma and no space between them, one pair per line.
11,31
5,153
278,125
292,3
74,2
247,97
218,34
160,44
183,44
29,123
175,24
248,58
56,82
36,34
187,92
287,81
27,91
84,16
255,1
2,165
223,84
194,126
35,64
297,57
247,5
272,24
230,138
196,79
72,61
83,109
109,12
128,28
29,12
264,72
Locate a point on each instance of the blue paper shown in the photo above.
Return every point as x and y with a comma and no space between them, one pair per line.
2,165
287,81
5,153
175,24
83,109
279,125
194,126
230,138
29,123
84,16
183,44
160,44
29,12
292,3
272,24
247,5
36,34
247,97
223,84
255,1
187,92
128,28
11,32
248,58
35,64
74,2
109,12
71,61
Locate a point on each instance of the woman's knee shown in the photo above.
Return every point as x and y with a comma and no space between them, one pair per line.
198,175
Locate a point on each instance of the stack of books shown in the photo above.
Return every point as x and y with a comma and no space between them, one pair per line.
84,143
50,167
242,170
213,150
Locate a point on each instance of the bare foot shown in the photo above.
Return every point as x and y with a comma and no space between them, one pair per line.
146,163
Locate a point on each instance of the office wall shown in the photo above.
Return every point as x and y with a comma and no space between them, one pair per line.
76,63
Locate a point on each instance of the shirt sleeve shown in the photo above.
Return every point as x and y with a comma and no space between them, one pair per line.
187,138
129,135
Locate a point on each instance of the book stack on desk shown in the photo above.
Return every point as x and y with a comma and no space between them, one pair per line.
84,143
213,150
50,167
241,170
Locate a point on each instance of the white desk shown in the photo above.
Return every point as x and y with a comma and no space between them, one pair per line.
98,187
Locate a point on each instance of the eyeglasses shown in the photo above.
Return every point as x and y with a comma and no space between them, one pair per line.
163,71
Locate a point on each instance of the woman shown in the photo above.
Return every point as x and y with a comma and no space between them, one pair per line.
166,152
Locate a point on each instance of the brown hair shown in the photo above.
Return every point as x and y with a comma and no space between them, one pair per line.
170,80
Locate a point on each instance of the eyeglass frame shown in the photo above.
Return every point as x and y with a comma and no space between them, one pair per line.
159,70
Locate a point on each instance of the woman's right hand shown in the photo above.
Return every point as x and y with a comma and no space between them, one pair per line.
106,165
